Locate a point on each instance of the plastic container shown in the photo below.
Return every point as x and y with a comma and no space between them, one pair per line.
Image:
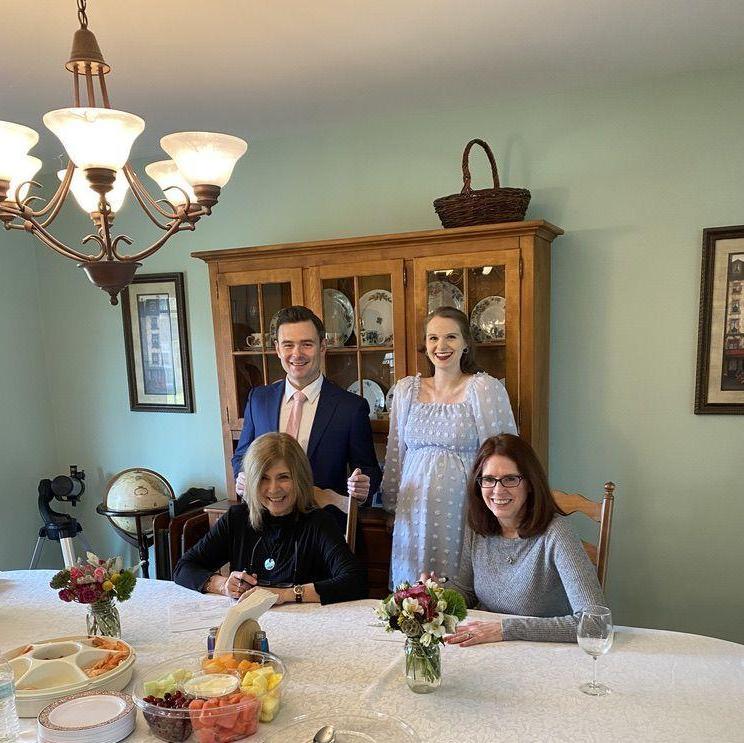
196,708
9,724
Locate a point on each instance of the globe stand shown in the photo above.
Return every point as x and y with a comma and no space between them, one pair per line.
143,541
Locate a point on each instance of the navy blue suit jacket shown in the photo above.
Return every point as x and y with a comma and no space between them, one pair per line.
340,439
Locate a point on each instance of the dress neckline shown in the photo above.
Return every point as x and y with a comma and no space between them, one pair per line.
417,389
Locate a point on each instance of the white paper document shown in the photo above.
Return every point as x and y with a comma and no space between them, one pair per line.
190,615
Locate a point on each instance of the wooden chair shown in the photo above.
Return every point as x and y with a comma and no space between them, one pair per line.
347,505
601,513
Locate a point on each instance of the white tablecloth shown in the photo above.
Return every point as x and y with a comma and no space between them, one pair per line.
667,686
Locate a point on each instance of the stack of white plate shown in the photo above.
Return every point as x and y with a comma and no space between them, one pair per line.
88,717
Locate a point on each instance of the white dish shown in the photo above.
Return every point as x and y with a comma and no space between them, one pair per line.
338,314
88,717
351,727
444,294
46,671
376,317
488,319
372,393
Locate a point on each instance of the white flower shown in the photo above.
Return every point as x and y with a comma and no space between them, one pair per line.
425,639
441,605
434,628
411,607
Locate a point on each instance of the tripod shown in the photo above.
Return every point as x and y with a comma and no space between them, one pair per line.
58,527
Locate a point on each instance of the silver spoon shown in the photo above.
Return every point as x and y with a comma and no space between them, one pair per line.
327,734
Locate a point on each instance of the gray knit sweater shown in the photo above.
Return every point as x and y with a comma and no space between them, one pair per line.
547,579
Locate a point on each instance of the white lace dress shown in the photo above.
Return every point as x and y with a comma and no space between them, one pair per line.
431,449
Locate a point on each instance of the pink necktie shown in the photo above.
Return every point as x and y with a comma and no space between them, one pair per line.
295,415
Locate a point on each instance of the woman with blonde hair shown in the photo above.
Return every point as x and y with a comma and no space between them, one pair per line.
276,538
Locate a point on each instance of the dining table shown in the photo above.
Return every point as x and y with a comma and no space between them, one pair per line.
665,686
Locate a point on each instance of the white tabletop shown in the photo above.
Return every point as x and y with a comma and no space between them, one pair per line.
667,686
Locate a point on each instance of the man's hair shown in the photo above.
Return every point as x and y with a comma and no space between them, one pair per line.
298,313
262,454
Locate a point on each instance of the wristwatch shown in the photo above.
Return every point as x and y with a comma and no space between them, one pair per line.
299,592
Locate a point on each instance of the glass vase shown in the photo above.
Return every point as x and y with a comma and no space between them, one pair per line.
103,619
423,666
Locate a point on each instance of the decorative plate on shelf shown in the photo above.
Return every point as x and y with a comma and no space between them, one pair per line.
488,319
338,314
372,393
376,317
444,294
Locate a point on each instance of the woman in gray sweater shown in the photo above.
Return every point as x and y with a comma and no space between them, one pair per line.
520,555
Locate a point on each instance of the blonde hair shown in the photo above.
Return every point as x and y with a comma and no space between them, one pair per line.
263,453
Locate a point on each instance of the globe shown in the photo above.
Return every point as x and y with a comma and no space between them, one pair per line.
136,489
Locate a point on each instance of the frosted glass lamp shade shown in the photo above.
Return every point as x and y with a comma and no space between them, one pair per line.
95,137
88,199
204,158
15,141
27,167
166,174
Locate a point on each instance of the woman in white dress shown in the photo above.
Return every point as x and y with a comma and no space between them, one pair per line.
437,425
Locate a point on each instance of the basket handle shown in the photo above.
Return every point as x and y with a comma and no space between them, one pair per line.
466,165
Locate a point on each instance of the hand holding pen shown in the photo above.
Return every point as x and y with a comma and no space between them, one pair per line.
237,583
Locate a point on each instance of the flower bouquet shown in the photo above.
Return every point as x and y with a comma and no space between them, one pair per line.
424,613
97,583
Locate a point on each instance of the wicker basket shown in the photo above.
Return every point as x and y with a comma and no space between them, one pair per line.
485,206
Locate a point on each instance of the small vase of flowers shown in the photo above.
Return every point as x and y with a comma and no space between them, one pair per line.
424,613
97,583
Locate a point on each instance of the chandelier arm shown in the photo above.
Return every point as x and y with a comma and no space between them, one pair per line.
95,238
105,229
37,229
145,200
55,203
154,247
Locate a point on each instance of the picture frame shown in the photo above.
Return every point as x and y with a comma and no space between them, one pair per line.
156,343
719,385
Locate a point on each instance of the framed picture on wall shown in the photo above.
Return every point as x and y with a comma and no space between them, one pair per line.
157,344
719,386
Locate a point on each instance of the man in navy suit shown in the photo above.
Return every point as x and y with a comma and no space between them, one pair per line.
331,424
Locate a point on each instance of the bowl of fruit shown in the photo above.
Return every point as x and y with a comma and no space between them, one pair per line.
216,699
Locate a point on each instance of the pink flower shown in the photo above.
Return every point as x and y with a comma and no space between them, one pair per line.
75,573
66,594
99,574
89,593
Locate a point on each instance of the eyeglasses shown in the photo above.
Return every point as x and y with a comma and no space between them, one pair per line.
508,481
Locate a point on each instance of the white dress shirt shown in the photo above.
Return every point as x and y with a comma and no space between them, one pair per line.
312,392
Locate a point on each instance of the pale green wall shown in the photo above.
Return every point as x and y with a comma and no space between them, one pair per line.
26,430
632,173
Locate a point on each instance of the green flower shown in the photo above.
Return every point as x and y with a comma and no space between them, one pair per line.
60,580
125,585
455,603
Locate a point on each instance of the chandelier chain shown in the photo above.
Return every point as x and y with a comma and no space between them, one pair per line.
82,17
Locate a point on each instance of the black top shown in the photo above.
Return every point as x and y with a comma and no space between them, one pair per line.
303,547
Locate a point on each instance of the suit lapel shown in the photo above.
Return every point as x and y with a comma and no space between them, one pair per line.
323,415
275,404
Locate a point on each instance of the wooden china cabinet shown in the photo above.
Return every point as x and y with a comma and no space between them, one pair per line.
373,294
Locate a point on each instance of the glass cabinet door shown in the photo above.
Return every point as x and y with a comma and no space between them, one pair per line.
485,286
362,310
249,303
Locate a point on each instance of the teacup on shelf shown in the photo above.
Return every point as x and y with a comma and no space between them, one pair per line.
258,340
335,340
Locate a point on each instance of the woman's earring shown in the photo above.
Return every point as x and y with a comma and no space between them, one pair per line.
465,350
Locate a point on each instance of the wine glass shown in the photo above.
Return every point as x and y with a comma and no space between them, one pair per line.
595,634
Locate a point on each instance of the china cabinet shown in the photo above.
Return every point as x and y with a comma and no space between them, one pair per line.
373,294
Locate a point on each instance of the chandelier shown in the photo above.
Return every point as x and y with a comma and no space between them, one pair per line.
98,140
